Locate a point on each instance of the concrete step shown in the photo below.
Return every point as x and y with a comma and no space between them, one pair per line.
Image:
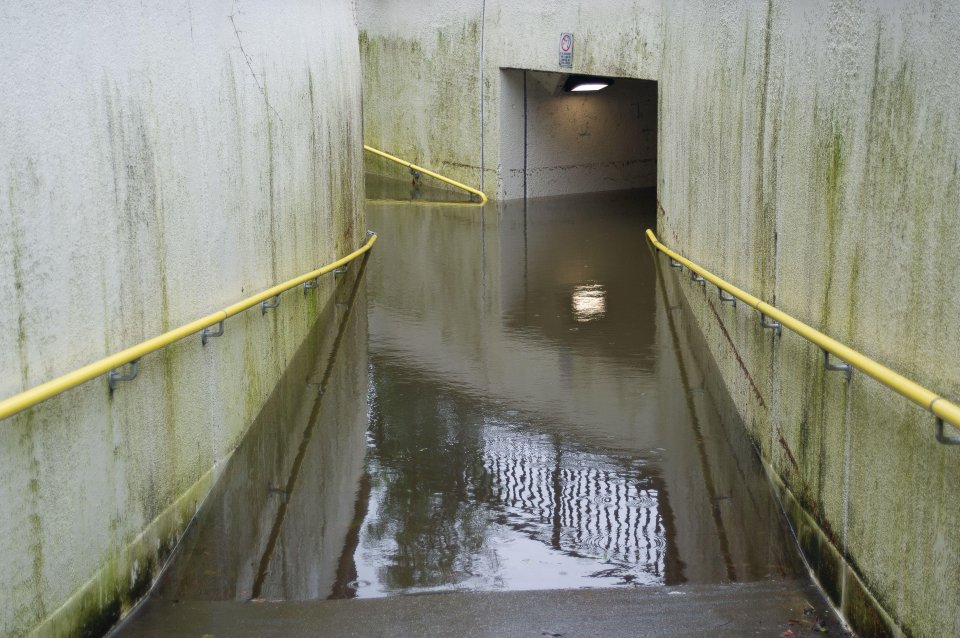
766,608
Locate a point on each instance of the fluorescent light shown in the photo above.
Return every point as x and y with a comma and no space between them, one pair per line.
581,83
596,86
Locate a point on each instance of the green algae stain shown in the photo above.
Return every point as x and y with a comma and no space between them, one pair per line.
25,421
16,234
271,182
160,250
831,159
853,299
125,577
448,125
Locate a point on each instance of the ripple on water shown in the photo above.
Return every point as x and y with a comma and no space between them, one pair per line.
584,504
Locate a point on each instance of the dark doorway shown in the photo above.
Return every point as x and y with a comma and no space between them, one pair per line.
557,142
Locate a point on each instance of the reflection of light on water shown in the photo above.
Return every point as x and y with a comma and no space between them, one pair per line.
589,507
589,302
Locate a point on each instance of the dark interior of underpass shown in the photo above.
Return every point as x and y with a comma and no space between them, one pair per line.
556,140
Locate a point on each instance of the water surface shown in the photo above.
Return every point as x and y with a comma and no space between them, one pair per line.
502,397
537,419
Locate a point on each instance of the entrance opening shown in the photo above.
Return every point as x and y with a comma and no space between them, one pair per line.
556,141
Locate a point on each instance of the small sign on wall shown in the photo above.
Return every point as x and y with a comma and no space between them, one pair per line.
566,50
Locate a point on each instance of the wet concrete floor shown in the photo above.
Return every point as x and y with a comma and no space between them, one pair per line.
502,398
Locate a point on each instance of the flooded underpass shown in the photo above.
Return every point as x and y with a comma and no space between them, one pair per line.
502,398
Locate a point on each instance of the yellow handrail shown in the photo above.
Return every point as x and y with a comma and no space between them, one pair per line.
426,171
33,396
930,401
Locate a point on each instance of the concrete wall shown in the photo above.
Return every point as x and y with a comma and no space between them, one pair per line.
156,163
432,70
809,153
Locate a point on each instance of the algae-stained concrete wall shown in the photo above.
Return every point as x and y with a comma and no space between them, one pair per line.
809,153
156,163
431,70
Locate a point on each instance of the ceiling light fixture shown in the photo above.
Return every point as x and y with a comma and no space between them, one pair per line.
580,83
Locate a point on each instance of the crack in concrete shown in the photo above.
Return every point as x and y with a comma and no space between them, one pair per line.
247,59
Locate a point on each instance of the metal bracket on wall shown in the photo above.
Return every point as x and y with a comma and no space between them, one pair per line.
114,377
694,277
938,429
208,333
309,285
675,264
773,325
946,440
273,302
725,296
845,368
341,271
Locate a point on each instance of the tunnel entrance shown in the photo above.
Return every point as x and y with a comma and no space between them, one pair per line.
556,141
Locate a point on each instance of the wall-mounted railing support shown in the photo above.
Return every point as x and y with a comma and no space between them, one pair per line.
675,264
946,440
943,410
727,297
311,284
836,367
341,271
694,277
208,333
772,325
273,302
939,429
114,377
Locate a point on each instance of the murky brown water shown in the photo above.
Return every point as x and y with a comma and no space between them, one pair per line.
530,423
509,397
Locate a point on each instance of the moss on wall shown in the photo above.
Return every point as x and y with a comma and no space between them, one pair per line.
141,192
807,157
432,115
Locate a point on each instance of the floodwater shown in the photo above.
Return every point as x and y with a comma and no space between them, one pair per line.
503,397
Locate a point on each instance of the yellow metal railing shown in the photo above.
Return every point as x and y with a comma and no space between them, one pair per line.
941,408
426,171
108,365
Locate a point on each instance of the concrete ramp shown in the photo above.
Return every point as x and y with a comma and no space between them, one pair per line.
766,608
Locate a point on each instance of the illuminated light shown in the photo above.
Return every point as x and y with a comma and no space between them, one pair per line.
580,83
589,302
590,87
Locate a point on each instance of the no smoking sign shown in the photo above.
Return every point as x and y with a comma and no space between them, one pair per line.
566,50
